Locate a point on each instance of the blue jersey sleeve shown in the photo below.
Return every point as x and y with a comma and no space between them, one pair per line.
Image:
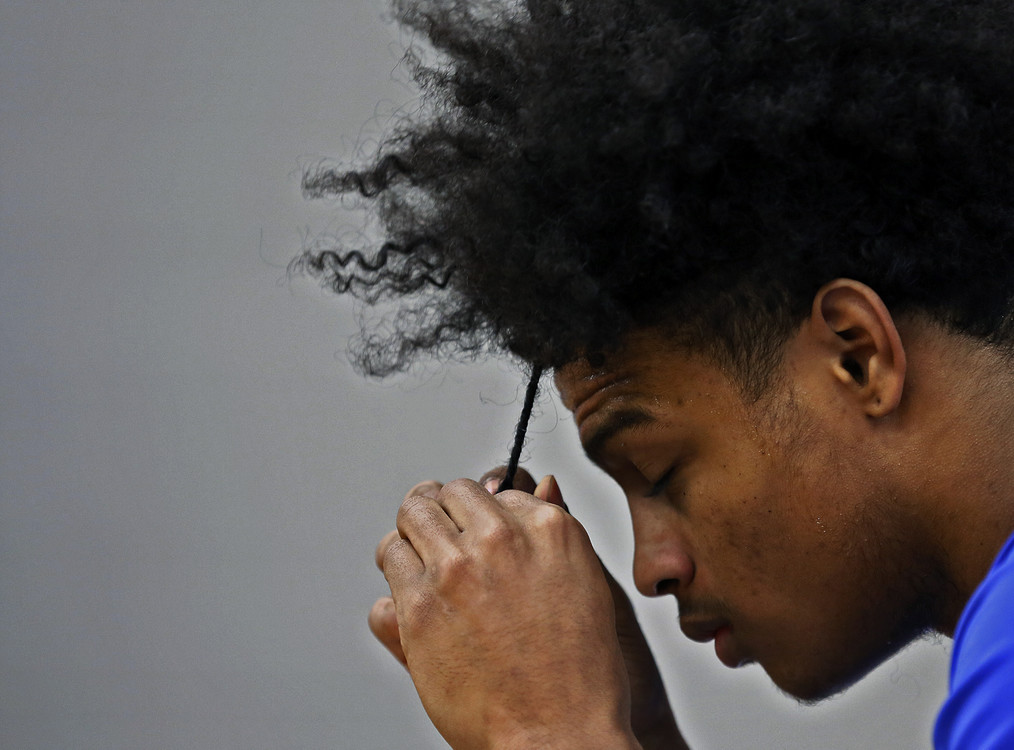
979,710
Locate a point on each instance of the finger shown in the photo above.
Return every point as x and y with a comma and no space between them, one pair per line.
549,491
425,523
519,503
389,538
426,488
402,567
522,480
515,502
471,506
383,621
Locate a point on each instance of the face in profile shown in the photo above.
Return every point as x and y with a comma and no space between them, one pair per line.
773,523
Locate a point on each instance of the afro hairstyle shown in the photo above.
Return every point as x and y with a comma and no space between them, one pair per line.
579,170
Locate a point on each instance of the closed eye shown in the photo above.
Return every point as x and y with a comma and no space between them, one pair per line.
659,487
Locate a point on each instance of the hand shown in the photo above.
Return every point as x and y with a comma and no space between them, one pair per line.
505,621
651,716
383,618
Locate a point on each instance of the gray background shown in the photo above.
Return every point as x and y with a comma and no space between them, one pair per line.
192,480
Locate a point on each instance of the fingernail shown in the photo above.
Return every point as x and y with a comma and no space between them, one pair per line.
493,477
492,485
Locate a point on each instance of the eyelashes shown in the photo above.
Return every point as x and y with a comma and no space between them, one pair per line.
661,484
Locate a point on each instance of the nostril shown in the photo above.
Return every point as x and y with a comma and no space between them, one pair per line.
661,567
666,586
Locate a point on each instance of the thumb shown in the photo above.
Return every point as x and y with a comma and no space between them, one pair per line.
549,491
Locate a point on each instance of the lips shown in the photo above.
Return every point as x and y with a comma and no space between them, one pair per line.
727,649
701,631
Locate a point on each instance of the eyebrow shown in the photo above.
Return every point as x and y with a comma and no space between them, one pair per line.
615,423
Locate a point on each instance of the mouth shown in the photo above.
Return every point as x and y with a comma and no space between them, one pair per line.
699,630
727,649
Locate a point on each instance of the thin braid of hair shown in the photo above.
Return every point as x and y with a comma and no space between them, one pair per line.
519,435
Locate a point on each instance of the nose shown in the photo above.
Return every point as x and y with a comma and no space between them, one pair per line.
662,560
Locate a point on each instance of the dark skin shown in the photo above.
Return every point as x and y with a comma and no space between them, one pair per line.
817,530
651,717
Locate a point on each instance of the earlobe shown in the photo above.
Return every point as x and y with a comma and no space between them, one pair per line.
868,357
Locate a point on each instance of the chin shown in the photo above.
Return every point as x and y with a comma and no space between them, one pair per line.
811,684
815,672
813,693
809,690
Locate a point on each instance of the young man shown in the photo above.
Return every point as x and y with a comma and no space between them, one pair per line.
768,249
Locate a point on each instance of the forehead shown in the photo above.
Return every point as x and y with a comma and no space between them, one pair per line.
647,372
581,384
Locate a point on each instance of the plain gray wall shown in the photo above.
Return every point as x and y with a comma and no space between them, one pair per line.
192,479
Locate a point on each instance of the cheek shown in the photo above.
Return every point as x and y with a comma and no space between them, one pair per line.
799,559
743,506
761,536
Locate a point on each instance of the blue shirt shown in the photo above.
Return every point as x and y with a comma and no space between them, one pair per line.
979,711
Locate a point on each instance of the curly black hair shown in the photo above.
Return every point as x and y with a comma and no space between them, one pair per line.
583,168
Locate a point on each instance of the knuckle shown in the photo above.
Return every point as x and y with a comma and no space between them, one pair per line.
394,553
547,517
453,570
515,501
497,536
458,487
412,505
414,613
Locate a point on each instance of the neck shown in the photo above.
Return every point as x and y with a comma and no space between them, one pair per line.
961,406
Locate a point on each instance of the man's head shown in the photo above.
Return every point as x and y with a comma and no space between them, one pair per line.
821,527
581,170
782,233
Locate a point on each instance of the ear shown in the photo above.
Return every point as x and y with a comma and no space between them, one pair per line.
855,325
